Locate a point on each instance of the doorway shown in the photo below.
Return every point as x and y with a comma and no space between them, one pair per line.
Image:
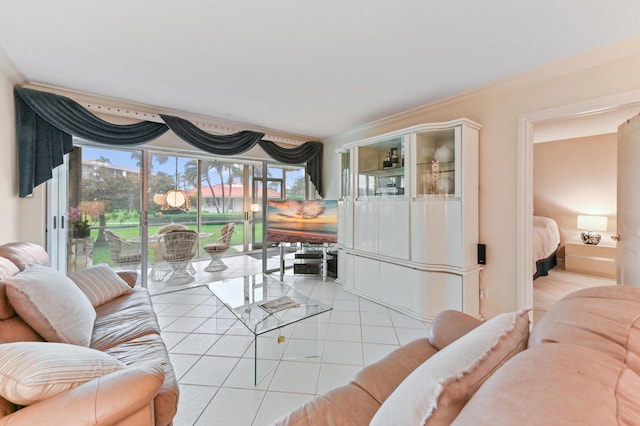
598,108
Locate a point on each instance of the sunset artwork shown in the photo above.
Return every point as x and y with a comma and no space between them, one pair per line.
311,221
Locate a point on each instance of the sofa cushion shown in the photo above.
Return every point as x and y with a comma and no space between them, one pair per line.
15,329
560,384
33,371
7,269
347,405
52,305
100,284
603,318
24,254
436,391
151,349
123,319
383,377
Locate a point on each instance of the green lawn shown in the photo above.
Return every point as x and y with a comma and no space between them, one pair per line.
101,249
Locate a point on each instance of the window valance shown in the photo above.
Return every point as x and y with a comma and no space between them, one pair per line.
46,122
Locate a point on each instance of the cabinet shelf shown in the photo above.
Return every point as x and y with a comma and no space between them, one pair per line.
389,171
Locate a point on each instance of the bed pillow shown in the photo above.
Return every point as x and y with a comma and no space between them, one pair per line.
34,371
52,305
100,284
436,391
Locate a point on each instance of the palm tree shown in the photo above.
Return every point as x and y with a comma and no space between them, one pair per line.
207,166
235,172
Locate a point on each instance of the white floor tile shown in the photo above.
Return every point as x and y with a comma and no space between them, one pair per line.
406,335
345,317
242,375
185,324
193,401
298,377
182,363
310,330
196,344
335,375
304,350
343,353
228,345
369,306
276,404
212,353
375,334
374,352
209,371
405,321
344,332
215,326
232,407
376,318
171,339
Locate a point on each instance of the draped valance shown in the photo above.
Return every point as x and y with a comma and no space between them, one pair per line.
46,122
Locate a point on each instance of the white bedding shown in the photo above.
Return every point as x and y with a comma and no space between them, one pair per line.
546,238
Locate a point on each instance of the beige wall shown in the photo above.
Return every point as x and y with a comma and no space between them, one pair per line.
573,177
14,224
498,107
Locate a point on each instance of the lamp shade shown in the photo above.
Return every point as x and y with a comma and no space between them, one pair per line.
592,223
176,199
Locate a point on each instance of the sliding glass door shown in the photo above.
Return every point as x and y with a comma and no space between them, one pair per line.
121,201
103,212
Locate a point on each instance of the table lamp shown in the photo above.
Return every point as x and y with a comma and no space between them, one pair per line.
591,224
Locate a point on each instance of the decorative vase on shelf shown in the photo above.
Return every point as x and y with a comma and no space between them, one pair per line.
444,154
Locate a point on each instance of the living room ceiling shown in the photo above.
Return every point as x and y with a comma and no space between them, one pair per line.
309,68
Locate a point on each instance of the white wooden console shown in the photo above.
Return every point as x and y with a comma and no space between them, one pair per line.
408,219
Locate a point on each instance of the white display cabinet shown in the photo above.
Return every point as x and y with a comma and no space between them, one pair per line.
408,218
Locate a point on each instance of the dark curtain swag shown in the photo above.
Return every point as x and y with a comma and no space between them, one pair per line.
45,124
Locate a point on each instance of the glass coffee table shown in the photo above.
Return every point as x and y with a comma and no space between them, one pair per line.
266,306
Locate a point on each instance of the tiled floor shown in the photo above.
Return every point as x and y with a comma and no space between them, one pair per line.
212,352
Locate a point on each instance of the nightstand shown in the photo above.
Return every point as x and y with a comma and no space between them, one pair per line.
589,259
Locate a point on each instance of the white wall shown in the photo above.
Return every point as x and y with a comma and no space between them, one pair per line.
575,177
602,73
11,222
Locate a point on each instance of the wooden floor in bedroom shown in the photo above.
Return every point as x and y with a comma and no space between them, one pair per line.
547,290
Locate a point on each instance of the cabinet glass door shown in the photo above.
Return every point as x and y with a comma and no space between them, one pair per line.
381,169
345,174
436,162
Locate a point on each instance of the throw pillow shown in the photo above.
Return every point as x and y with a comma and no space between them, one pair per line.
33,371
52,305
436,391
100,284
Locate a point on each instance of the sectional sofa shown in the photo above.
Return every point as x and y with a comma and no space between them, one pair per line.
79,350
580,365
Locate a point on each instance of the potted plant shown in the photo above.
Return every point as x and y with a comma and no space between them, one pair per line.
79,224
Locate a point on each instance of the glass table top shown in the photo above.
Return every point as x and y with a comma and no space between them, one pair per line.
244,296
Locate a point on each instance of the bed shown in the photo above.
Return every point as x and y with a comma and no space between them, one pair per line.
546,240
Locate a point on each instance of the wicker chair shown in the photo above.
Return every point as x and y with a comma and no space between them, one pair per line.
179,248
160,267
122,252
218,248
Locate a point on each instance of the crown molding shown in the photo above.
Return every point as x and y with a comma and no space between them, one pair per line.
136,112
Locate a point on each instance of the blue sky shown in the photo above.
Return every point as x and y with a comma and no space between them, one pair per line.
124,159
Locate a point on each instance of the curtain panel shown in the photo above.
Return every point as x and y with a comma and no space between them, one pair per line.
46,122
309,152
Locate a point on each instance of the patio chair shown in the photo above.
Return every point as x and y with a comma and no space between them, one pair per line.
218,248
122,252
179,248
161,267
